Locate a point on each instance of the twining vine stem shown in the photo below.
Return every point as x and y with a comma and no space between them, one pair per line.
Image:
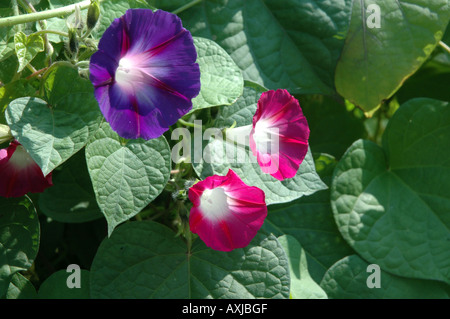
64,11
37,16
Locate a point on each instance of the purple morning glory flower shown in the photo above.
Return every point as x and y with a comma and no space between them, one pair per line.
144,73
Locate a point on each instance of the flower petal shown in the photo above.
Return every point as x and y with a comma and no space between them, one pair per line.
115,40
279,137
150,73
19,173
227,213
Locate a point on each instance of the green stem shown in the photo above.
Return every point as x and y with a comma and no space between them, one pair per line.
444,46
61,33
37,73
378,129
31,68
186,6
183,122
33,17
82,64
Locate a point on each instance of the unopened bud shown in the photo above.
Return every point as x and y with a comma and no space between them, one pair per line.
78,20
93,14
5,134
73,41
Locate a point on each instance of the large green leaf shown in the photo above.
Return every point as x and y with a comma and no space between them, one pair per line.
347,279
71,199
27,47
19,238
20,288
302,285
220,155
375,61
126,176
11,91
391,204
147,260
53,130
310,221
221,79
277,43
55,286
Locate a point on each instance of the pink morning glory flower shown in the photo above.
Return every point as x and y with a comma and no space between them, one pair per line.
144,73
227,213
19,173
278,136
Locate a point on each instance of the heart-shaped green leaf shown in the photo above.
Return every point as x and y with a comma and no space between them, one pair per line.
221,79
126,176
129,265
20,288
271,44
27,47
391,204
310,221
352,278
376,59
302,285
53,130
56,286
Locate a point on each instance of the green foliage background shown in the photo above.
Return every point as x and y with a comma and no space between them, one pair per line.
373,189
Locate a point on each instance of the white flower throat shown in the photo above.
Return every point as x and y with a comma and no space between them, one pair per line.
214,203
128,73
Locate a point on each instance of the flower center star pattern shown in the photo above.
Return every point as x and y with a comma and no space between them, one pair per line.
144,73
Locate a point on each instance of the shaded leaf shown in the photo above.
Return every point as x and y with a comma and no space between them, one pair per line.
269,42
367,72
19,238
391,204
128,265
347,279
302,285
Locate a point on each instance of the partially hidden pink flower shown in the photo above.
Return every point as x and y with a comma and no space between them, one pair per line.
19,173
280,133
227,213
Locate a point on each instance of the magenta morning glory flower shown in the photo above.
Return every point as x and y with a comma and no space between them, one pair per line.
19,173
279,135
227,213
144,73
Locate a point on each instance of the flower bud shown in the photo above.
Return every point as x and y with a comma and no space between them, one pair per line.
78,23
5,133
73,41
93,14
